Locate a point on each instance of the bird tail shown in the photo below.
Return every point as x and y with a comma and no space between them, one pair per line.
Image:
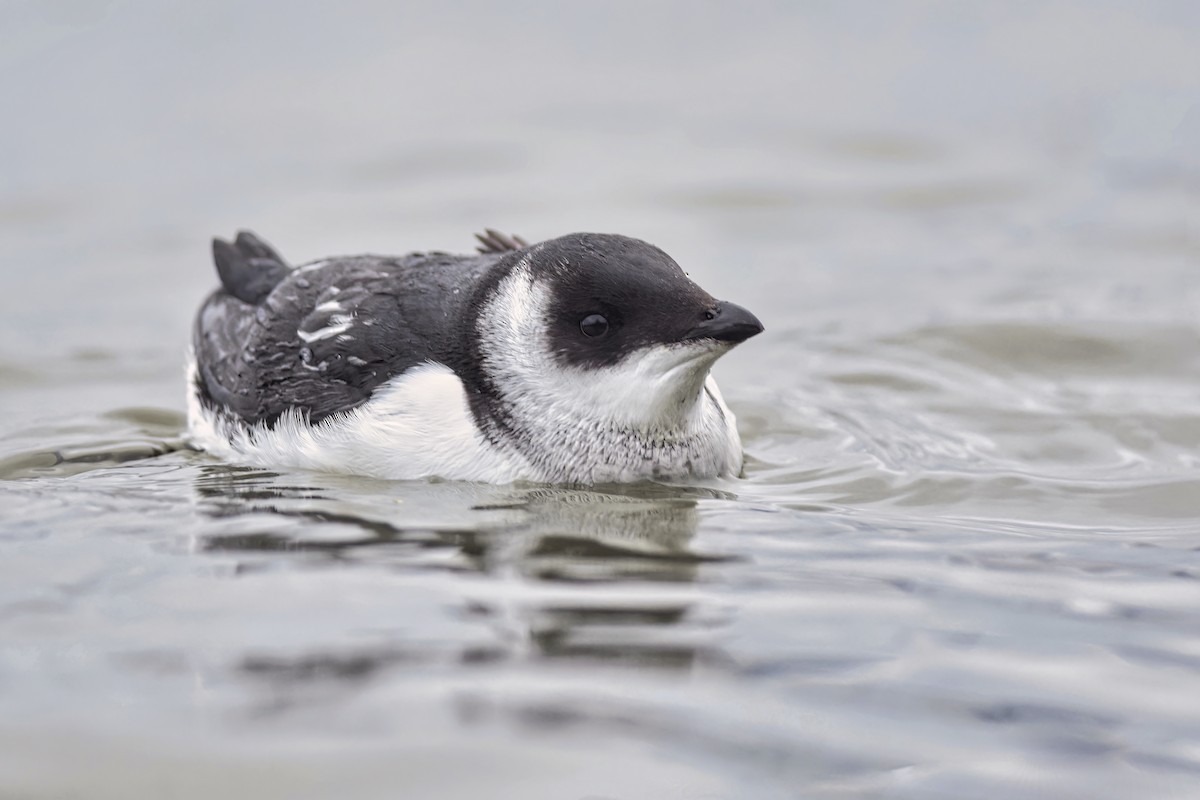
249,268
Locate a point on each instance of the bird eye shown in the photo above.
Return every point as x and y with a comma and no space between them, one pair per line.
594,325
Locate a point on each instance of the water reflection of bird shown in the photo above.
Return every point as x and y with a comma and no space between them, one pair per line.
646,520
552,554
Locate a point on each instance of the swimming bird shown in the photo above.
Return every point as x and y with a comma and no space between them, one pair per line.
581,359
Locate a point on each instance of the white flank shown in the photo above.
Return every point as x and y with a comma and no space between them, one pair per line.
416,425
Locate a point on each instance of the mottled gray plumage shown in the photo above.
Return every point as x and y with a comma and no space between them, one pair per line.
402,311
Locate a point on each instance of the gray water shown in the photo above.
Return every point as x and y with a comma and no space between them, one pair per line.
964,561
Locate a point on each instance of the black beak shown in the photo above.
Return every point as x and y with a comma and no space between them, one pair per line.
726,322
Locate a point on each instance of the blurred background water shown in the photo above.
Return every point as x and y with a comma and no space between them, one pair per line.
965,558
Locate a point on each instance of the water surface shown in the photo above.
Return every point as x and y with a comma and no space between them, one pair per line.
964,560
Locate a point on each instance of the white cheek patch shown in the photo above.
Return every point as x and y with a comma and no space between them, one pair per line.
649,390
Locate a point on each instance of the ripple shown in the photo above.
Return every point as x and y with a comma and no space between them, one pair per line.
86,443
